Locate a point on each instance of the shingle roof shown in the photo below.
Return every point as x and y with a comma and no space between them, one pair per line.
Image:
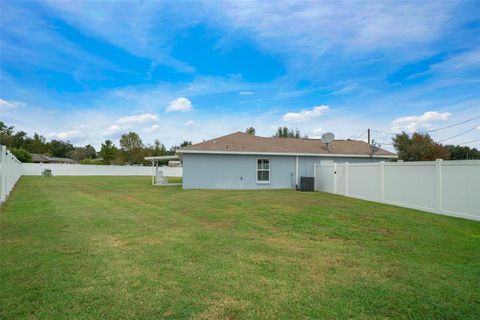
46,159
244,142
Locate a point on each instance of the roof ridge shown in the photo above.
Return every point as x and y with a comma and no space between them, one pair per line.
243,141
213,139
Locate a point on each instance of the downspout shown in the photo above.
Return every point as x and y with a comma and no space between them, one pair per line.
305,164
296,172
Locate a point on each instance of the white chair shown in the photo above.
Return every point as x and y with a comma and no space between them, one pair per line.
160,178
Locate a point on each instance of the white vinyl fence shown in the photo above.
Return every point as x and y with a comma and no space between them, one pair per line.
445,187
36,169
10,172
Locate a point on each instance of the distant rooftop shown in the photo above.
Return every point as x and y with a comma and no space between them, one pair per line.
46,159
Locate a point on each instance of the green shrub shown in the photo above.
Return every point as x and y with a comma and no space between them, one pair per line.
90,161
21,154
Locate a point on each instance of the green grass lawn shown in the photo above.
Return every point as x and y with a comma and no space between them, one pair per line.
174,179
119,248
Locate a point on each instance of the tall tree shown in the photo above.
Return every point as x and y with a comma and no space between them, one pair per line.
158,148
185,143
132,147
418,147
250,130
90,152
463,152
78,154
37,144
285,132
108,151
19,139
60,149
174,148
6,134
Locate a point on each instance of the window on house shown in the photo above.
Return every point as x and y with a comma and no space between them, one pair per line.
263,170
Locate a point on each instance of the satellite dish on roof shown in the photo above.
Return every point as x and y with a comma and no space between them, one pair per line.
374,146
327,138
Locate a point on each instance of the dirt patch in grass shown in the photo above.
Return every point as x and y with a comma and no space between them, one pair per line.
110,241
215,224
151,240
291,245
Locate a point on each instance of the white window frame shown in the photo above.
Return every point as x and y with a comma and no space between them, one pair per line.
269,170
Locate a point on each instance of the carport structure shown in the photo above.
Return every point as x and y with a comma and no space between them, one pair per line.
158,178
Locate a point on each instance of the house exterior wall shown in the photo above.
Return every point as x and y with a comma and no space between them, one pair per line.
224,171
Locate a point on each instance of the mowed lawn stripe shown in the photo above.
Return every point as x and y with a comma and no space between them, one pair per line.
117,247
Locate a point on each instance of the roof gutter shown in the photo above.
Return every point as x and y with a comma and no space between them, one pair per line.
160,158
186,151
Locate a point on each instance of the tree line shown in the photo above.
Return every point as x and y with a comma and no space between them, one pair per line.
421,147
131,148
282,132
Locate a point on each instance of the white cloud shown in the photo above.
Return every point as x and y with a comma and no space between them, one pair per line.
316,133
424,121
140,118
356,25
180,105
246,93
115,130
66,135
305,115
189,123
4,104
153,128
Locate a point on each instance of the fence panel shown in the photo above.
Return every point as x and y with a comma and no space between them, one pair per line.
340,179
10,172
410,184
325,182
36,169
446,187
364,181
460,183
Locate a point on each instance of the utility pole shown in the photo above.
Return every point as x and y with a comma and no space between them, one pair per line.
368,130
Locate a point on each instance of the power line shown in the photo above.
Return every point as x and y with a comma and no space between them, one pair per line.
433,130
453,125
389,133
460,134
361,134
468,142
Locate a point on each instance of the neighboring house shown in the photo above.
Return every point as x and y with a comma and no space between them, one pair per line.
244,161
174,163
40,158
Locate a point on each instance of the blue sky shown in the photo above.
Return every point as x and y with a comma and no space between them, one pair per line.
90,71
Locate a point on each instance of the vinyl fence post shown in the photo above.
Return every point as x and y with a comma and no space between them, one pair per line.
346,178
334,177
314,176
153,172
382,163
438,183
3,173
